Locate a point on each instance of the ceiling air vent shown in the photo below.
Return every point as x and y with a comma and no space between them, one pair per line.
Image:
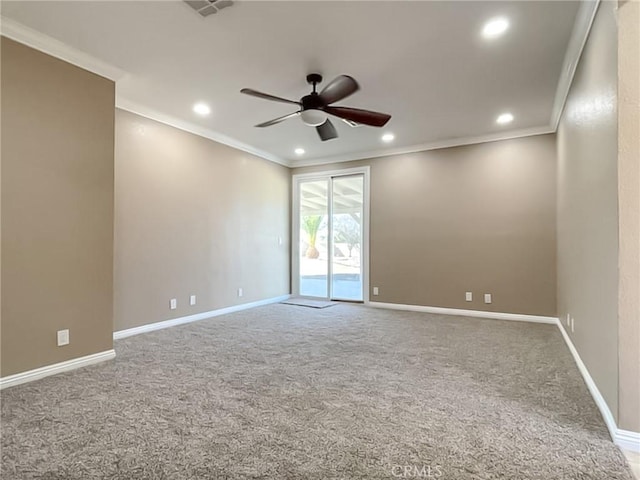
208,7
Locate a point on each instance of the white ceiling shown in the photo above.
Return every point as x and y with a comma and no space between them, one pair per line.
424,62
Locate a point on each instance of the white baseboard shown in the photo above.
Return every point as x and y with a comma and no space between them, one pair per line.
625,439
518,317
194,318
628,440
591,385
56,368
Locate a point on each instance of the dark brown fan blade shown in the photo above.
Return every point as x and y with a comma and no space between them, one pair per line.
278,120
327,131
266,96
366,117
339,88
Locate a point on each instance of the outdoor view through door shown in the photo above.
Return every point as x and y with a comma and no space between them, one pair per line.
331,213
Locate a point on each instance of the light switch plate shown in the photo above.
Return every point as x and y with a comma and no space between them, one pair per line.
63,337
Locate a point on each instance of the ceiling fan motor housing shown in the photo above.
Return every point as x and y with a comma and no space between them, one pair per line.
312,101
313,104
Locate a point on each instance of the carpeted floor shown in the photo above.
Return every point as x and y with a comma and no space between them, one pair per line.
284,392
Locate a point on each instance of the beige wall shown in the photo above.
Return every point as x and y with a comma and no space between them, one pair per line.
57,209
194,217
629,202
588,207
477,218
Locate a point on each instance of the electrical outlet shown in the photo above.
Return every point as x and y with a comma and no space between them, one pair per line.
173,304
376,291
192,300
63,337
468,296
572,321
487,298
240,292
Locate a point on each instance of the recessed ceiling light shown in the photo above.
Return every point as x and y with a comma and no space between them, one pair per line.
299,151
504,118
495,27
388,137
201,109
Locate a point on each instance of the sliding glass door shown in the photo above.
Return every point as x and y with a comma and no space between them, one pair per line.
346,235
330,235
314,238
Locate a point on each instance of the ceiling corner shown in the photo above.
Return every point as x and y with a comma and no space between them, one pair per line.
579,35
49,45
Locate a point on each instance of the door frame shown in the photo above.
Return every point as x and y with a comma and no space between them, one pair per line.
296,179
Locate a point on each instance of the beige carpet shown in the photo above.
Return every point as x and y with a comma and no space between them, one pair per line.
347,392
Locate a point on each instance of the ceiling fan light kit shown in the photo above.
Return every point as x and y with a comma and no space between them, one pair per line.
313,117
315,107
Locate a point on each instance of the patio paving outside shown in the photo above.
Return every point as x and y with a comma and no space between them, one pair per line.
347,277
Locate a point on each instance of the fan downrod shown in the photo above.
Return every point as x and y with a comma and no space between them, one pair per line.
313,79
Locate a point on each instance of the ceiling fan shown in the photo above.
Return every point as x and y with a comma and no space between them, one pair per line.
316,106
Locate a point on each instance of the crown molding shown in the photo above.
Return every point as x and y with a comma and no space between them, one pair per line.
581,28
144,111
49,45
453,142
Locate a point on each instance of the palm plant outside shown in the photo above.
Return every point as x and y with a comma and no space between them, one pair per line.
311,225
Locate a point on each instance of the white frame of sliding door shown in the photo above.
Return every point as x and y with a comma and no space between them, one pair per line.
295,224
